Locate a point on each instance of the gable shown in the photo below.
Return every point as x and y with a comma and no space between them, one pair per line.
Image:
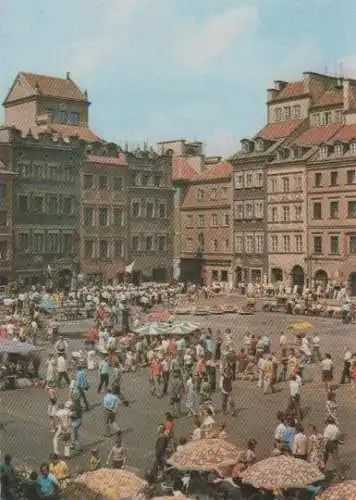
20,89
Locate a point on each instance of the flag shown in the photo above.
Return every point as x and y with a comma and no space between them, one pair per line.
129,268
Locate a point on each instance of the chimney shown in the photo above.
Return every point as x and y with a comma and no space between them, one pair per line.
348,97
68,75
279,85
271,94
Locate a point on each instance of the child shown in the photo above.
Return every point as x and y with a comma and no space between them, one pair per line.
95,461
331,405
117,455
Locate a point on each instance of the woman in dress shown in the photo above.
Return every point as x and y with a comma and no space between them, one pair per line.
51,376
191,399
316,448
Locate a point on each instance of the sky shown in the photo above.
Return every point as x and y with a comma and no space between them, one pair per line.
168,69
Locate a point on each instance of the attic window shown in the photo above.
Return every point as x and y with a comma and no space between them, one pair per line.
246,147
324,152
353,147
339,149
260,145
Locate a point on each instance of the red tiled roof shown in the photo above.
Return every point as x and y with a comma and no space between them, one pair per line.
183,168
66,131
55,87
331,98
317,135
279,130
220,170
107,160
292,89
346,133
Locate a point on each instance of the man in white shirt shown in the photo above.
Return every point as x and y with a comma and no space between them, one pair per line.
300,443
332,436
283,341
295,389
62,370
316,354
260,368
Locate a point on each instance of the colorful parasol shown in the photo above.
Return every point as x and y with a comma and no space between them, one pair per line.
154,328
111,484
161,315
341,491
206,454
301,325
281,472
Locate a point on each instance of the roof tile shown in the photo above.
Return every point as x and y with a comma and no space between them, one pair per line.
279,130
220,170
292,89
346,133
66,131
183,168
54,86
331,98
107,160
317,135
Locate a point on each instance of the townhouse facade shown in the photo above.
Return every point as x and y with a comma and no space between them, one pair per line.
206,226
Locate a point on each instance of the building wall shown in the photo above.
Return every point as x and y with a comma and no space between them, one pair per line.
286,216
6,246
56,105
21,116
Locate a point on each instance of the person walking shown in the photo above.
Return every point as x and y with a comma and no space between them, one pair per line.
111,403
300,443
104,369
226,390
117,455
62,370
82,385
63,429
346,375
332,436
76,416
177,389
327,367
51,370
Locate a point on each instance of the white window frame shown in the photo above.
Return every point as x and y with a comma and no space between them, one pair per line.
239,243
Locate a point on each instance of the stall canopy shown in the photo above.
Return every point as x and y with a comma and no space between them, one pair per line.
47,304
14,347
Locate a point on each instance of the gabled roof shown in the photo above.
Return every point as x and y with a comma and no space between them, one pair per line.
184,167
220,170
317,135
330,98
346,133
66,131
292,89
278,130
51,86
119,160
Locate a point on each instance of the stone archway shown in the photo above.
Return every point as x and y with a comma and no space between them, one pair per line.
298,278
352,284
276,274
321,278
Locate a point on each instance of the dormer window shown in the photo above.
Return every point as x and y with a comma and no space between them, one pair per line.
245,146
353,148
260,145
339,149
300,152
324,152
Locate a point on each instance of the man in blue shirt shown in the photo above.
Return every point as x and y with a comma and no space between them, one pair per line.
47,484
111,403
104,374
82,386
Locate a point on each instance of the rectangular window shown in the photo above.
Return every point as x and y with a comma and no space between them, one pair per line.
67,205
62,116
214,245
74,118
157,180
162,211
118,183
226,220
189,222
249,244
189,244
149,243
135,243
23,203
68,243
103,216
213,194
103,249
317,244
103,182
88,216
259,243
334,244
249,211
23,242
226,245
351,209
3,218
278,114
38,203
317,210
274,185
38,242
298,183
88,181
352,244
334,209
149,211
285,184
274,214
296,111
249,180
298,243
200,220
353,148
274,243
119,248
135,209
286,243
339,149
287,112
224,193
52,205
118,217
259,210
145,179
200,194
298,212
53,243
317,179
89,249
350,176
239,211
239,181
238,244
3,192
214,220
162,243
286,214
334,177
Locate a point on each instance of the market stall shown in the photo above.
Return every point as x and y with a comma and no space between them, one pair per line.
20,364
